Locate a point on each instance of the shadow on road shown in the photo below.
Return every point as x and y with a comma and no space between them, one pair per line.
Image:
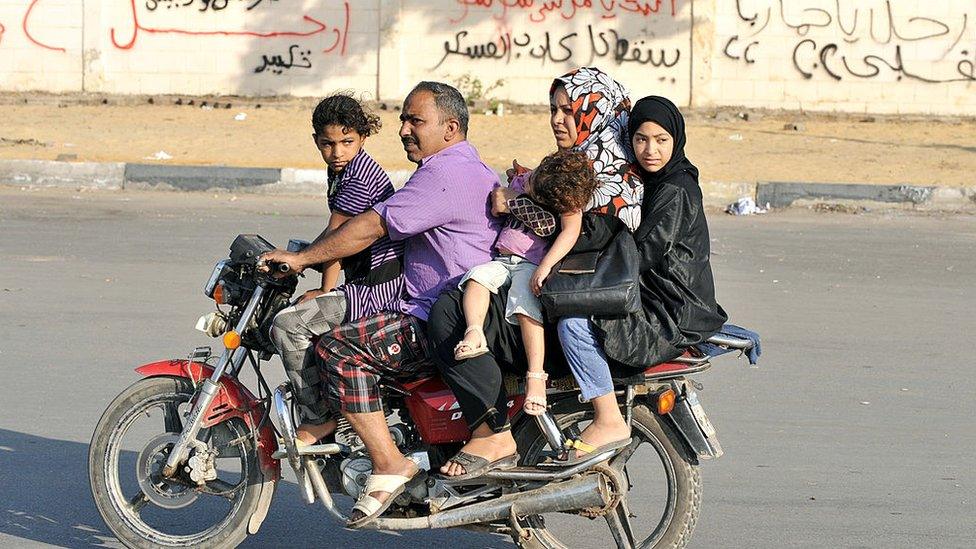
44,483
45,497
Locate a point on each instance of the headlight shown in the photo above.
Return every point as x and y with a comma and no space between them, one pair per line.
208,290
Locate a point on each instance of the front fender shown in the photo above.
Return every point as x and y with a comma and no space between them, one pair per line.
233,400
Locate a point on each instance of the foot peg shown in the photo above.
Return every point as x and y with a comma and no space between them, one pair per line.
309,450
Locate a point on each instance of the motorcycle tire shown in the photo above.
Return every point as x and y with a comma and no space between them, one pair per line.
122,514
679,468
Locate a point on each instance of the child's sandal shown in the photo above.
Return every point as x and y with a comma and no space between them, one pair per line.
538,401
464,350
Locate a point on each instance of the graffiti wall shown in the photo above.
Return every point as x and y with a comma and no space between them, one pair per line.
848,55
644,44
864,55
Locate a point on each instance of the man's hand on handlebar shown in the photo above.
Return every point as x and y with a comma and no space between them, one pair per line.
281,263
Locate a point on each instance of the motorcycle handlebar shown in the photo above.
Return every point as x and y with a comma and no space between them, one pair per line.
274,266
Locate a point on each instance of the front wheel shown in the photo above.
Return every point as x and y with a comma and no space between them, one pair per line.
660,502
144,509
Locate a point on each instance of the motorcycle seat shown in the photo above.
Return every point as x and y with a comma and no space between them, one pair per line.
693,360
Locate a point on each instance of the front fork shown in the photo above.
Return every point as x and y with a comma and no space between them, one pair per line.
230,362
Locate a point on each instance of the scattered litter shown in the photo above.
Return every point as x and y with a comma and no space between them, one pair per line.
159,155
795,127
839,208
736,137
775,281
241,116
66,157
904,389
865,403
28,142
206,108
745,206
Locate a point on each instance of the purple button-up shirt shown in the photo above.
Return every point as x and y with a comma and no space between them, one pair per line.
443,217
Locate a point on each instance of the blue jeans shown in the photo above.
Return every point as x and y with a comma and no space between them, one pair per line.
585,357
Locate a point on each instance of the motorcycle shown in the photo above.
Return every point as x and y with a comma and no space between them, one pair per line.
207,451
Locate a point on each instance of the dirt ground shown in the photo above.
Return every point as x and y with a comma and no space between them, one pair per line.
726,145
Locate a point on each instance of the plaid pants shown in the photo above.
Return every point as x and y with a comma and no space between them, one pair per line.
292,332
357,356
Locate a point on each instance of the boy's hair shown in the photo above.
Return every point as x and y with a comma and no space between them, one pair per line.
564,181
341,109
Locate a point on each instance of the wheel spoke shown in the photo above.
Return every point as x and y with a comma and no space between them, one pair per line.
172,418
138,501
618,519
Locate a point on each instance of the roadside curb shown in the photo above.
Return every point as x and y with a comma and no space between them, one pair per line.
135,176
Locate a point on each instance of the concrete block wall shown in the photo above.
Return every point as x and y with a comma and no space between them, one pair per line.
889,56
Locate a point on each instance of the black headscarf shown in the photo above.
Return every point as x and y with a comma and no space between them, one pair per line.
664,113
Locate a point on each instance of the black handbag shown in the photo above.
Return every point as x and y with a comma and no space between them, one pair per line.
603,282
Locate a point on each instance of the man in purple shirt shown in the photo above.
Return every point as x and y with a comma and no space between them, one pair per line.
442,216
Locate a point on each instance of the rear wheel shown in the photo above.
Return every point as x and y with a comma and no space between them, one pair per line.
142,508
659,502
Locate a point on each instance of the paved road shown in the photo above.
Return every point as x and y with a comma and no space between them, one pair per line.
857,431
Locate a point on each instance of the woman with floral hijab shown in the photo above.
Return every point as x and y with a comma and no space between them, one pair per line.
589,113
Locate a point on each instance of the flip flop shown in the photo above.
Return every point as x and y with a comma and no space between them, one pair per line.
464,351
372,507
589,450
477,466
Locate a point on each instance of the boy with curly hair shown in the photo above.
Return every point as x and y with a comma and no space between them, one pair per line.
373,277
563,182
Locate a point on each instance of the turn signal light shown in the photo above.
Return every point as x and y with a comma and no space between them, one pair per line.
665,402
232,340
218,294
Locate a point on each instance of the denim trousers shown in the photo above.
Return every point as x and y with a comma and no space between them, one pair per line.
585,356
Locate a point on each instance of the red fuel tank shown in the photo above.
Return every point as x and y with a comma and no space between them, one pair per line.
437,413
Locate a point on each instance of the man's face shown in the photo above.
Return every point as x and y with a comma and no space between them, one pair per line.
338,145
422,131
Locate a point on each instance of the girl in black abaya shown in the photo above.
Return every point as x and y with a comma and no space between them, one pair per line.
677,289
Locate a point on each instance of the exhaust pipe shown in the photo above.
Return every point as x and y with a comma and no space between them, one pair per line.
589,491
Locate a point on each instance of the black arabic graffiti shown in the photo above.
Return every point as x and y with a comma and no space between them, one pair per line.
808,56
606,44
278,64
811,18
887,31
205,5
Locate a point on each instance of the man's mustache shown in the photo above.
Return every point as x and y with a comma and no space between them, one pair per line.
408,141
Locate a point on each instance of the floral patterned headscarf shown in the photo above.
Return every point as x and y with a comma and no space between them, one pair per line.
601,109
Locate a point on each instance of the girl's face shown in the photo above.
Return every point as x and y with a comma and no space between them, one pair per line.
561,119
653,146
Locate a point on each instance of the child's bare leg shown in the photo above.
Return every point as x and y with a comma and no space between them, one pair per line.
475,304
534,339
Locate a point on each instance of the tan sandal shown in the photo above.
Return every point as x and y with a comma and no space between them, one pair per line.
464,350
371,507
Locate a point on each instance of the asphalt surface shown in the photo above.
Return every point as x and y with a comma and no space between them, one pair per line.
856,431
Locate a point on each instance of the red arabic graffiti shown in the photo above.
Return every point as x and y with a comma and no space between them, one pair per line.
30,37
2,29
567,9
316,27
